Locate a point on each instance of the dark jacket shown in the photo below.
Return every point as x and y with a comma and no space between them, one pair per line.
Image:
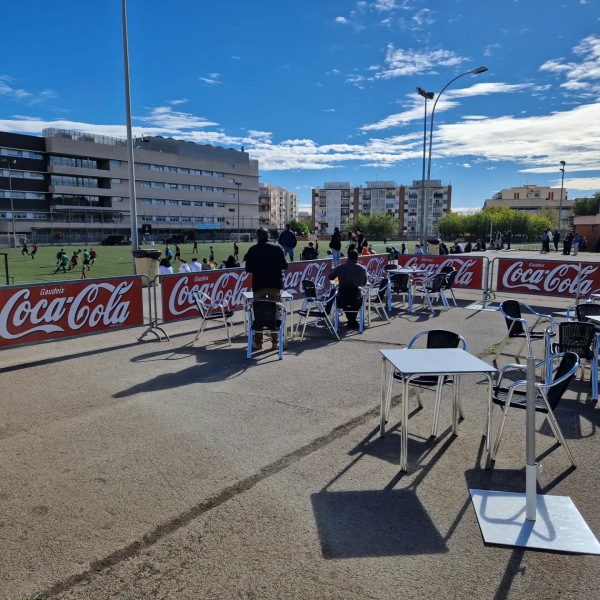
266,261
336,241
309,253
287,239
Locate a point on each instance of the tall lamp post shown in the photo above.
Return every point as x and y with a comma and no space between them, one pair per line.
130,165
427,96
8,162
239,184
562,186
476,71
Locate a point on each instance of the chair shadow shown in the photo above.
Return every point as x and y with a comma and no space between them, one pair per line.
361,524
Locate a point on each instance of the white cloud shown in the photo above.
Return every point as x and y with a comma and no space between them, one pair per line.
384,5
177,102
342,20
402,62
212,79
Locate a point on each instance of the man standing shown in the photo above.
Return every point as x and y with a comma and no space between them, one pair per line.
288,241
556,239
266,261
351,276
336,245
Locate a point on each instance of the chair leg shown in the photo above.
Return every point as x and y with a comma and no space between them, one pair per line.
501,346
250,339
437,406
500,430
559,435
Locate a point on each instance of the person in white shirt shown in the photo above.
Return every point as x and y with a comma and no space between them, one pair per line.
164,267
195,265
184,267
418,249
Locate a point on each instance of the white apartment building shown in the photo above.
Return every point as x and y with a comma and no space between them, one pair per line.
277,206
337,202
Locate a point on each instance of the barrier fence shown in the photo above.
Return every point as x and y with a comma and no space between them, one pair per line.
37,313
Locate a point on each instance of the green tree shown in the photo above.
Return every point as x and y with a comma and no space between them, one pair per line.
374,226
587,206
299,228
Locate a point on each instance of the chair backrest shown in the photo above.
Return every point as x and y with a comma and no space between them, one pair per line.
436,283
400,282
512,308
556,392
203,303
450,277
576,336
348,296
441,338
587,310
384,284
309,287
264,315
389,267
330,300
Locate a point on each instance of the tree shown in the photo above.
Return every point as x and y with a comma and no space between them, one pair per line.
587,206
299,228
374,226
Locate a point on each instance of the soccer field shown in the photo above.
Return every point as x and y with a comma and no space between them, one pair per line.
118,260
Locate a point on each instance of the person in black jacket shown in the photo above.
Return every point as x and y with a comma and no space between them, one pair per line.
336,245
309,252
266,261
288,242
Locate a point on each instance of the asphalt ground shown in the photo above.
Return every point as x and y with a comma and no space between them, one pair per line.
182,470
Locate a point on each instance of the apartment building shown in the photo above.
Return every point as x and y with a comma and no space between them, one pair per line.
75,184
337,202
533,198
277,206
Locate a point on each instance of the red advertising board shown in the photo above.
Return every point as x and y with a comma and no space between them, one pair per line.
39,313
547,277
229,284
469,268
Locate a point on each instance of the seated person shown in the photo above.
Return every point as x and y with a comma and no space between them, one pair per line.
468,247
164,267
309,252
418,249
351,276
230,263
184,267
195,265
458,248
478,246
206,266
443,249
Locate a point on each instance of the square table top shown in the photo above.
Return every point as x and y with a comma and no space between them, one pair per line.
406,271
436,361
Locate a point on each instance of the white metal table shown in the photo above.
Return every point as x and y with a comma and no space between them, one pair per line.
414,363
285,297
411,273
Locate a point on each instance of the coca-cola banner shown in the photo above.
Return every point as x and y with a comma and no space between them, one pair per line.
230,284
557,278
469,268
38,313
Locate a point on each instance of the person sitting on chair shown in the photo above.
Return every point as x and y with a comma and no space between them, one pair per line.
309,252
351,276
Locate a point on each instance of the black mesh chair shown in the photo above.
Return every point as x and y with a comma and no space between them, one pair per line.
432,288
266,316
450,273
582,338
436,338
583,311
400,284
549,392
316,307
211,311
518,327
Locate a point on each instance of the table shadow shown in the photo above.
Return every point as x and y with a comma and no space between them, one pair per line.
370,523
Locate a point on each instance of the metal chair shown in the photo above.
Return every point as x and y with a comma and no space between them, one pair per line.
346,299
432,289
582,338
519,328
376,294
548,393
210,311
450,277
400,284
583,311
436,338
317,307
266,316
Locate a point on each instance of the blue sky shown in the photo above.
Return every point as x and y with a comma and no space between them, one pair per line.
325,90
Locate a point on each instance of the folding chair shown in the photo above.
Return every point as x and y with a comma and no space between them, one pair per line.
266,316
316,307
519,328
436,338
211,311
548,393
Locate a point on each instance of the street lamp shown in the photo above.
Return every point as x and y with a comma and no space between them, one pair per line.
476,71
239,184
562,185
427,96
12,207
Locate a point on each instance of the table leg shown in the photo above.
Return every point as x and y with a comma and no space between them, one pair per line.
488,428
410,295
244,306
383,397
404,427
455,404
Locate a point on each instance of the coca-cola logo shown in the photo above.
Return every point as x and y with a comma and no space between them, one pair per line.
552,278
313,271
432,266
20,316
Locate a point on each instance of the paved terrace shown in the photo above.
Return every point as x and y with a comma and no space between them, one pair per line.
184,471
